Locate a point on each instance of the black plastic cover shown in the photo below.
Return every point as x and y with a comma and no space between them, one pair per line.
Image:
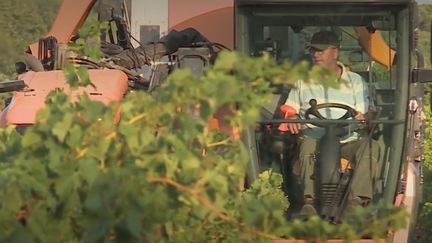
14,85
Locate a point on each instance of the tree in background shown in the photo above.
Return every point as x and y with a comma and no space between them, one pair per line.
424,28
22,22
424,226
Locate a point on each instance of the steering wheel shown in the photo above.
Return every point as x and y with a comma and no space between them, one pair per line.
314,110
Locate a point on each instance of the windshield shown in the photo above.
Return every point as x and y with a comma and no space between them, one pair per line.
370,46
286,32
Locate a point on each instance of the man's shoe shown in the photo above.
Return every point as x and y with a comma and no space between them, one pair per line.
308,209
353,203
356,201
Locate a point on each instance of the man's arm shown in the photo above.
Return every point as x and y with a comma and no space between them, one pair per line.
293,101
361,97
360,116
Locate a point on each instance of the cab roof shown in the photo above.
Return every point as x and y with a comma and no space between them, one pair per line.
321,2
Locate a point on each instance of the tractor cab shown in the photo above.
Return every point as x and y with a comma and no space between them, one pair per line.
376,42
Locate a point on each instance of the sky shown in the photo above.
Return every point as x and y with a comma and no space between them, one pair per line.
425,1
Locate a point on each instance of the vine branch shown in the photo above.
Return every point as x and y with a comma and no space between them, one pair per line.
206,203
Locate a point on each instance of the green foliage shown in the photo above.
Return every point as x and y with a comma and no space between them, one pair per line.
424,31
363,222
87,44
424,11
159,174
424,46
424,223
424,233
77,76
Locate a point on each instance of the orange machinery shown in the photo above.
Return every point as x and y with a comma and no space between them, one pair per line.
110,85
213,18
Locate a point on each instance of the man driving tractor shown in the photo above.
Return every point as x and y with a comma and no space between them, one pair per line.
359,151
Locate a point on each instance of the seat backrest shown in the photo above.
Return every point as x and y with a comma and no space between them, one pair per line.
271,109
365,76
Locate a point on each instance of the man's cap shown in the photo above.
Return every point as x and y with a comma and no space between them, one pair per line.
324,39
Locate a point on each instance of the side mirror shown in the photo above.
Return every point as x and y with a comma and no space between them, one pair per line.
9,86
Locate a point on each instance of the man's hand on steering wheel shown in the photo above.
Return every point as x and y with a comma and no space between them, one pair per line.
294,128
315,107
288,112
360,116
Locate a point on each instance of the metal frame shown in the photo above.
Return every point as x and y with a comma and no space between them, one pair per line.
261,2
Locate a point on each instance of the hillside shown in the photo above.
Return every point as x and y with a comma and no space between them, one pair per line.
425,13
22,22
